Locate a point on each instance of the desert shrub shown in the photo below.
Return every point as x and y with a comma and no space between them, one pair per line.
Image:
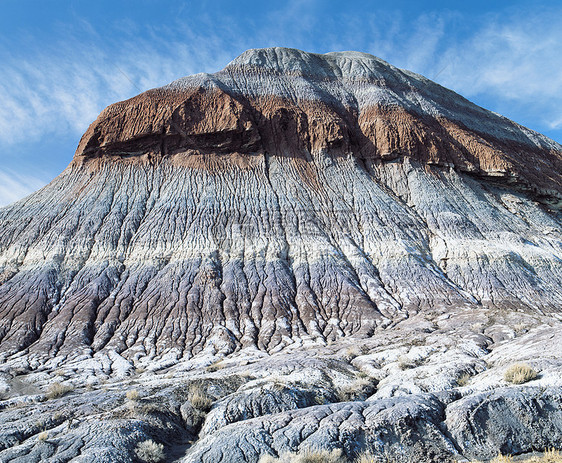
365,457
320,398
463,379
364,349
307,456
502,459
56,390
549,456
404,363
368,457
132,395
552,456
278,385
519,373
350,353
359,389
150,451
43,436
199,398
144,410
218,365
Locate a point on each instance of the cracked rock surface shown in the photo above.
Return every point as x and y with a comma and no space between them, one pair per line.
298,251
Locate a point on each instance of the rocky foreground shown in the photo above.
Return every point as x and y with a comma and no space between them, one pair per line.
431,389
298,252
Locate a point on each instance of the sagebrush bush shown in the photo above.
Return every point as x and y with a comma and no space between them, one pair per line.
405,363
307,456
385,457
463,379
56,390
359,389
365,457
350,353
150,451
502,459
519,373
552,456
218,365
549,456
199,398
133,395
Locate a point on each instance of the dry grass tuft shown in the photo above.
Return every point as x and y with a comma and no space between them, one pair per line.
463,379
350,353
42,436
198,397
549,456
150,452
552,456
519,373
218,365
307,456
365,457
133,395
359,389
368,457
405,363
57,390
502,459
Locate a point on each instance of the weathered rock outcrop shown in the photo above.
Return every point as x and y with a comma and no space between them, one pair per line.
290,202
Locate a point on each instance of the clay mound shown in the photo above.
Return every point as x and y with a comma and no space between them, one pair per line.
289,198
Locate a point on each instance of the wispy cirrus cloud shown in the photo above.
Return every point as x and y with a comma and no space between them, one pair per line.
513,59
14,186
64,88
510,62
516,60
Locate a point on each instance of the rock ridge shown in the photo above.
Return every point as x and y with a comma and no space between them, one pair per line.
286,102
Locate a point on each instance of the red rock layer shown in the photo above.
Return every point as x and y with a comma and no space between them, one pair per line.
162,123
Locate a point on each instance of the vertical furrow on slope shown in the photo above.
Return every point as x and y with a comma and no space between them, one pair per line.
473,208
280,280
117,306
96,275
53,250
402,191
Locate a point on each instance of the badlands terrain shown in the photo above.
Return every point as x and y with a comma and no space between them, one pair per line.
299,253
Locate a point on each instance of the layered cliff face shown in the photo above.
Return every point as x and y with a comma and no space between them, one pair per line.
291,197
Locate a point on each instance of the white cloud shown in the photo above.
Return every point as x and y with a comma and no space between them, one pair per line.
512,60
517,58
14,186
63,89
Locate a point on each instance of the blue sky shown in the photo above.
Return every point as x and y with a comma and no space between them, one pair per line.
64,61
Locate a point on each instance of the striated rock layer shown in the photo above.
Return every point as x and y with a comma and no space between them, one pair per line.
291,197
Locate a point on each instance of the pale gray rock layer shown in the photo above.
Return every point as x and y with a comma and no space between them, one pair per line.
412,428
149,261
